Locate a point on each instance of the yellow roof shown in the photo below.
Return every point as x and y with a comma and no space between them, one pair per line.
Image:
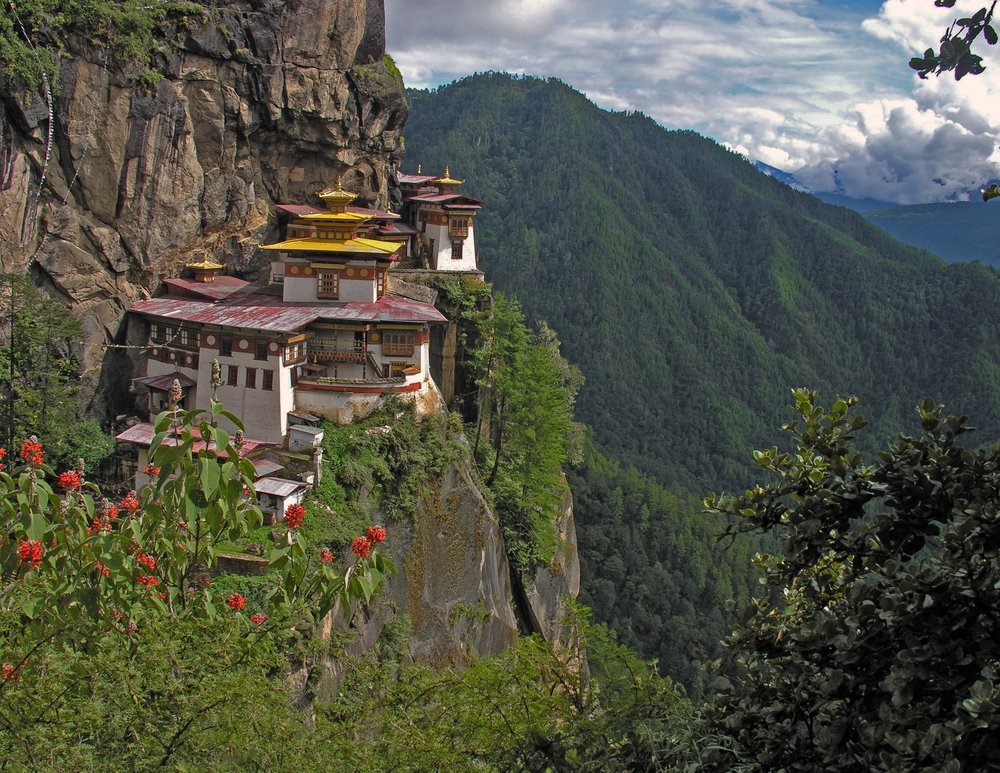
343,217
205,265
368,246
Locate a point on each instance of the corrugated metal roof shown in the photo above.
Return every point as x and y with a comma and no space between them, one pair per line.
253,311
278,487
166,381
219,288
413,179
298,209
441,198
264,467
142,435
398,229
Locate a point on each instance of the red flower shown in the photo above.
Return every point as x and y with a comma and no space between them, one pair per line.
236,601
110,510
131,502
295,516
99,526
258,618
3,453
102,568
361,547
147,561
30,552
148,581
376,534
9,673
69,480
31,451
326,556
151,471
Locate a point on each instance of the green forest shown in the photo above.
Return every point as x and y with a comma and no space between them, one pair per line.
694,293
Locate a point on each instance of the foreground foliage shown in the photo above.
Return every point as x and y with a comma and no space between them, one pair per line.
881,650
108,613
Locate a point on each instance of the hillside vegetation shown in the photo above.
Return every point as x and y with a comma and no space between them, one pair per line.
694,291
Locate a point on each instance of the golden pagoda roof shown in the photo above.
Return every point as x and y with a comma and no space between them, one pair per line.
338,195
313,244
337,217
447,179
204,265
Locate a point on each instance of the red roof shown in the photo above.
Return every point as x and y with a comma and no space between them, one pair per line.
456,200
142,435
414,179
220,287
298,209
397,229
253,311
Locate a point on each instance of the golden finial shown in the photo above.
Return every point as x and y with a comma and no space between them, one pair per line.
447,172
418,169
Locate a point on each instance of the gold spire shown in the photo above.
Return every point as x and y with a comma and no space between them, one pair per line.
338,199
418,169
447,180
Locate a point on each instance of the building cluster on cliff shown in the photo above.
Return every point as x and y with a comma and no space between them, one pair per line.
324,336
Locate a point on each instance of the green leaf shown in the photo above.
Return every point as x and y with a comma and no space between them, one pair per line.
36,530
210,476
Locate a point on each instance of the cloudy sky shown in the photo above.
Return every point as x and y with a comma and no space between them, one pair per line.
818,88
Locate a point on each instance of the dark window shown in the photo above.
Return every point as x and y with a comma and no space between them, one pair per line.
251,378
261,351
328,284
225,346
396,344
233,375
268,384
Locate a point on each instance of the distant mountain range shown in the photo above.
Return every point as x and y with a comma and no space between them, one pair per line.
956,231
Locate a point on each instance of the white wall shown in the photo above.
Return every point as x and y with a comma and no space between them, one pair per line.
362,290
441,260
299,289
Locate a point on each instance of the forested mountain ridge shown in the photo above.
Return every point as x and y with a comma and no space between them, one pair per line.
694,291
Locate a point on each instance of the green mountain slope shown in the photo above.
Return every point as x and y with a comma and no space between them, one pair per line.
693,290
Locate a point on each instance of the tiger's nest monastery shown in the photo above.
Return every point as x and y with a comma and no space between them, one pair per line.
324,336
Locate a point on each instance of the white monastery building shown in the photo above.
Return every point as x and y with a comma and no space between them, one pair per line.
322,336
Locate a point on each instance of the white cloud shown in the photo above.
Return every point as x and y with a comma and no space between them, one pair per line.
799,84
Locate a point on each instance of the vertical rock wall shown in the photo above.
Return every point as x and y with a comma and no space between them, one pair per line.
262,101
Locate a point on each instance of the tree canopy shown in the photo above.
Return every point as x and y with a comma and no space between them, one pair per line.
878,647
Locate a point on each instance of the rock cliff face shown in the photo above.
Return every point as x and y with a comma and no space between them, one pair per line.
262,101
546,588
